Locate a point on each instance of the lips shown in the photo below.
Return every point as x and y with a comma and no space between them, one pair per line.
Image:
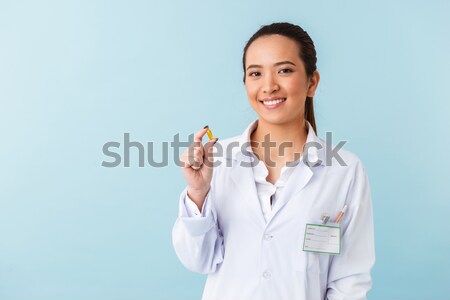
272,102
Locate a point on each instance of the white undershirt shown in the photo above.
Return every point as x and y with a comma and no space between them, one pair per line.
266,189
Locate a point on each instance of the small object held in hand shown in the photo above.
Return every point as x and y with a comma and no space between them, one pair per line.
209,133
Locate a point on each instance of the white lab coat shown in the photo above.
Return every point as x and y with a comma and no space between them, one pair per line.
246,257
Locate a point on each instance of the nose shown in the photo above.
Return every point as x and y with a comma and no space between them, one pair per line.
270,84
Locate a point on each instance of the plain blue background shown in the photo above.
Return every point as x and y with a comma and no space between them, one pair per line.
77,74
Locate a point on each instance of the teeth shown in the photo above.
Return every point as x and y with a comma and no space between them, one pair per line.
273,102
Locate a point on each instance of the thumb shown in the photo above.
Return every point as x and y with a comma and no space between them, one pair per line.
208,156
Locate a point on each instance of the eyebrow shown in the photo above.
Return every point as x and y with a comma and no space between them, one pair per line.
275,64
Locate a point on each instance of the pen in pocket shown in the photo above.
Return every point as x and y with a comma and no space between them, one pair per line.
338,218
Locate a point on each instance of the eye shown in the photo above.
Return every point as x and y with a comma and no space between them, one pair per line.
287,70
254,74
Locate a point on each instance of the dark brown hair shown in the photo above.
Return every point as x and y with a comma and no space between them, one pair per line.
307,54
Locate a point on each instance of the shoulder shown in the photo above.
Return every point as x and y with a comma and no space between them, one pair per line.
342,161
347,171
345,156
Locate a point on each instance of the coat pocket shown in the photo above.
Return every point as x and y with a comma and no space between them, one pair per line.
311,262
308,262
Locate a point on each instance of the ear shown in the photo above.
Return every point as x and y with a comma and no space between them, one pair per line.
313,83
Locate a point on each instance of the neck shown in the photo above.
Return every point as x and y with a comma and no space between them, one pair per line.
294,132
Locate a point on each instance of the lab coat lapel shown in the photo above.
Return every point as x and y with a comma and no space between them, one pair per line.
243,177
244,180
303,172
299,178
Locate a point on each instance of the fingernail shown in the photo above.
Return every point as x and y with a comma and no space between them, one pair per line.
205,127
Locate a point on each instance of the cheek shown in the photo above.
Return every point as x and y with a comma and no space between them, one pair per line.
297,92
251,91
298,86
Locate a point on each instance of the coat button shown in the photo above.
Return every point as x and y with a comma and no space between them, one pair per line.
268,237
267,275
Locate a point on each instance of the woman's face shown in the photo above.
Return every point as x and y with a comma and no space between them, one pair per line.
276,81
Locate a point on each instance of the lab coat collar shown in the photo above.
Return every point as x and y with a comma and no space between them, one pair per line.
244,179
315,146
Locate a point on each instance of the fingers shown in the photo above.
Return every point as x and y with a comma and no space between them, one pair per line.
196,159
199,134
208,156
192,157
196,154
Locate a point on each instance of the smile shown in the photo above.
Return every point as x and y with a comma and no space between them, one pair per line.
273,103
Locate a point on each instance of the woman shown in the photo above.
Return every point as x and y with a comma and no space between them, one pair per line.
253,218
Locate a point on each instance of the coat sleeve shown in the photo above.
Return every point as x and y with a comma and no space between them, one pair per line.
349,273
198,241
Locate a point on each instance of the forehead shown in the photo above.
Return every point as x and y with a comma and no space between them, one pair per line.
272,48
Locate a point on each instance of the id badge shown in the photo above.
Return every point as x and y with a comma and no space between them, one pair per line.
322,238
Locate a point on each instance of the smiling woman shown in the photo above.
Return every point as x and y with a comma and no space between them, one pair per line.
278,88
278,76
286,41
263,232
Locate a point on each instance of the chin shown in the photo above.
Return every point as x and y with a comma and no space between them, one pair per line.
279,119
273,119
